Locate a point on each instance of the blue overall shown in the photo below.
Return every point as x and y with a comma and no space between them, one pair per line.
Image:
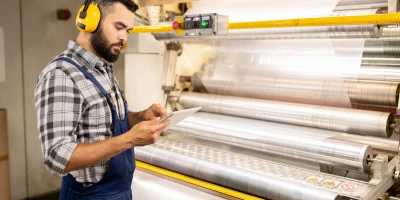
116,183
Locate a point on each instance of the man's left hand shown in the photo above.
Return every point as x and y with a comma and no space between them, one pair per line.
155,110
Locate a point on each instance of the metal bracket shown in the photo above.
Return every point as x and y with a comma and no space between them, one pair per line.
398,106
393,6
397,169
379,168
396,130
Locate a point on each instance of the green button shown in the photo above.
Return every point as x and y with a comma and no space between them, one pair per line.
204,23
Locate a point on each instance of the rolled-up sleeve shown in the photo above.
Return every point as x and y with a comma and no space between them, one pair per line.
59,105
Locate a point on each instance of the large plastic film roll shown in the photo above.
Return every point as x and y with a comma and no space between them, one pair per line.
360,4
258,134
359,122
317,92
270,187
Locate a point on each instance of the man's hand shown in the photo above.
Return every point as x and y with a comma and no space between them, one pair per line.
155,110
146,132
89,154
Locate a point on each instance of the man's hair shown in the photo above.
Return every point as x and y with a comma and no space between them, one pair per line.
106,6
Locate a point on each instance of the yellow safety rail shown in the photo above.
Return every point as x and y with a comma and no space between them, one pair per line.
197,182
380,19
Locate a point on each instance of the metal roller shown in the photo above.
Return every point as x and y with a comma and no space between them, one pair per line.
369,92
359,122
265,186
393,33
379,73
372,61
381,48
387,109
317,92
355,31
387,146
262,135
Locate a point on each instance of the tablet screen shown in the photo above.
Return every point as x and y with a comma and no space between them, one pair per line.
178,116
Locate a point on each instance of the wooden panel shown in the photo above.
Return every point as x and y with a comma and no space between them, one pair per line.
4,167
3,133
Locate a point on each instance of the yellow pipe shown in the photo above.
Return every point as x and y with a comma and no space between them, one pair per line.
194,181
151,29
321,21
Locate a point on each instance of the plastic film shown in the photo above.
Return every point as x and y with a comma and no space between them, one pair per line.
220,169
316,92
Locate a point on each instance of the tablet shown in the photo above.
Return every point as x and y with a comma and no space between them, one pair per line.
178,116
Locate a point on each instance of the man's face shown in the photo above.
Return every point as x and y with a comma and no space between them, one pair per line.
108,40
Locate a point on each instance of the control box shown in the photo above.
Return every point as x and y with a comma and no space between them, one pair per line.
201,24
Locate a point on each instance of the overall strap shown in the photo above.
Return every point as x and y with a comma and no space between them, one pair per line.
89,76
121,91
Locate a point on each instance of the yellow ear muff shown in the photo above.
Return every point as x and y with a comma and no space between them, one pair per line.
88,21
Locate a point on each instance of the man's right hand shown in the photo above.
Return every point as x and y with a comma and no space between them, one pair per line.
89,154
146,132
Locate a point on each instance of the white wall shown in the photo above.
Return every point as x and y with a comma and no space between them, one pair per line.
143,80
2,57
44,37
32,37
11,96
143,71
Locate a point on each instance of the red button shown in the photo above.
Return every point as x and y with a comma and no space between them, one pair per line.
175,25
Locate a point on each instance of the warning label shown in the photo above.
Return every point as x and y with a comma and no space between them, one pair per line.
330,183
348,187
314,179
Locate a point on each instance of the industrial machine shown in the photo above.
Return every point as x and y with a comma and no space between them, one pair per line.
302,105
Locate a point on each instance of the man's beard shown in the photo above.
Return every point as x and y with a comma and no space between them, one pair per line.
103,47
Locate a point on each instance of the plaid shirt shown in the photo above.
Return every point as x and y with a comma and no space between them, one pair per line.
72,110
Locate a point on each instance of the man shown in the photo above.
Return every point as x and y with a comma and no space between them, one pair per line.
86,132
